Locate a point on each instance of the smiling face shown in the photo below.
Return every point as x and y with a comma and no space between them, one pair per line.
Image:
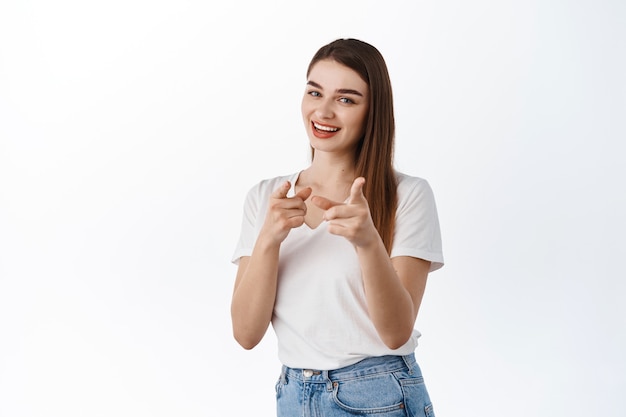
335,107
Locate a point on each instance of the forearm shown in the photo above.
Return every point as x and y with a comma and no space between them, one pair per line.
255,287
389,303
254,295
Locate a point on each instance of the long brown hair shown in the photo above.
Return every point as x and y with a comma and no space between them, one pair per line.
374,153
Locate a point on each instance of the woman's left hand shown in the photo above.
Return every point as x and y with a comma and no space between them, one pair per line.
352,219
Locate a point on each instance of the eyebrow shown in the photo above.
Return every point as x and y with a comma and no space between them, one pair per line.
340,91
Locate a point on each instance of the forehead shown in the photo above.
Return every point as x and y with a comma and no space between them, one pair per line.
332,75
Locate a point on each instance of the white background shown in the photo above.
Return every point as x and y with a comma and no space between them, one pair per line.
131,130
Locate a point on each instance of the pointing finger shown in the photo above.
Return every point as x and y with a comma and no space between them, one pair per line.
356,192
281,192
323,202
304,193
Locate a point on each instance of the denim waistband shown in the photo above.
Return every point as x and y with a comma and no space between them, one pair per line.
368,366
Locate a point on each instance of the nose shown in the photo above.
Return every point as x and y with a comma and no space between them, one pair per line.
325,109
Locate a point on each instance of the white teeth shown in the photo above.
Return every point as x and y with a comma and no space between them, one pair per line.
325,128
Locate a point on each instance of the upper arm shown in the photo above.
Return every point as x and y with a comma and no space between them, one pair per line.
417,233
241,269
413,273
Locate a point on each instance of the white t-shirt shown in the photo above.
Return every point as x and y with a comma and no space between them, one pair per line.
320,316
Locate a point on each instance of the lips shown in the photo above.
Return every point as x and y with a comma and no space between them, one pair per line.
323,131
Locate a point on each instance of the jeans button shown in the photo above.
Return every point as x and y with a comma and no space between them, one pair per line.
307,373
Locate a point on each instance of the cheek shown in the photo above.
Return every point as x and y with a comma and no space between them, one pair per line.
362,122
305,111
304,108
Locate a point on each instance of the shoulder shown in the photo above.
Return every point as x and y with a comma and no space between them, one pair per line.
409,181
410,187
266,186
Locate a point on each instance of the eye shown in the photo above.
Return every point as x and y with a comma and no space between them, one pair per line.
346,100
314,93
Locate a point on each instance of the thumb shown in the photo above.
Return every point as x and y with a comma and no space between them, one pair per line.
356,191
281,192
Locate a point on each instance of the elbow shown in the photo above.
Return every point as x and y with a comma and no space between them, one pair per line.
248,333
246,344
245,340
396,341
393,345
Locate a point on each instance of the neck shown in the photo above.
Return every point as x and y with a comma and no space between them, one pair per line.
328,169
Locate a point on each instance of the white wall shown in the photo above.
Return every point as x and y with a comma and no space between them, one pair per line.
131,130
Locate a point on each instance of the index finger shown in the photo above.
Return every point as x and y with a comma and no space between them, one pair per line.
323,202
356,191
305,193
281,192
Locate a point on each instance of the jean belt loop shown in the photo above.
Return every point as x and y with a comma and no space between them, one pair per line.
409,363
329,383
283,375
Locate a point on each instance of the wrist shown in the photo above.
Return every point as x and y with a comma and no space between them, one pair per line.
267,240
372,243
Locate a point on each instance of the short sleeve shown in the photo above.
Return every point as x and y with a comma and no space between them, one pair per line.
417,232
254,211
247,235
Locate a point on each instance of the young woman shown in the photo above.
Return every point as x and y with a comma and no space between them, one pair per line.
336,256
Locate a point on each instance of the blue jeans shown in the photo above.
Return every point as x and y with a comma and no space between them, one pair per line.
386,386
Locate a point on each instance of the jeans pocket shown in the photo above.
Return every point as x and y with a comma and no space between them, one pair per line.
370,395
416,398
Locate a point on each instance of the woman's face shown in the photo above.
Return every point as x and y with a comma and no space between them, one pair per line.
334,107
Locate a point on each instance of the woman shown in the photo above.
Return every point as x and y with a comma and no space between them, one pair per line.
336,256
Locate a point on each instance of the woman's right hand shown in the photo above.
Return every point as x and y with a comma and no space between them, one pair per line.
284,213
255,286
